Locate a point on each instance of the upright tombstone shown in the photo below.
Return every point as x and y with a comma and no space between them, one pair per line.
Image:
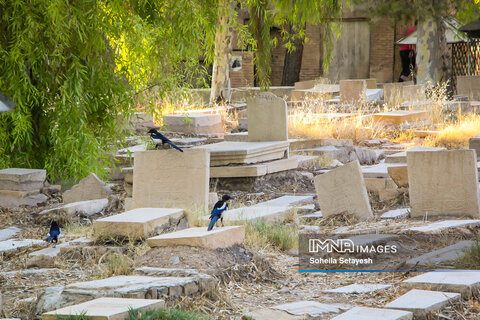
343,190
393,93
469,85
414,93
353,91
267,118
171,179
474,144
443,183
89,188
371,83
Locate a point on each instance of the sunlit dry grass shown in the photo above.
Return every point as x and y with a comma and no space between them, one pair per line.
456,135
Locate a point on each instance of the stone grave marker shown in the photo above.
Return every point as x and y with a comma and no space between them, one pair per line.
267,118
443,183
343,190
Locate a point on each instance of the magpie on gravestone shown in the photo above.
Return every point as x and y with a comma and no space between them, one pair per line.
158,138
54,233
218,210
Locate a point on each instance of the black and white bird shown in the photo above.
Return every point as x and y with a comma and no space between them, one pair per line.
158,138
218,209
54,232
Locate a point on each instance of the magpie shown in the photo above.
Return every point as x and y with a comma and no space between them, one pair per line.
157,137
218,210
54,233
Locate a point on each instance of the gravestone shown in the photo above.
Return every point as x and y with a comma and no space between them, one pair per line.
171,179
89,188
474,143
138,223
194,123
469,85
393,93
414,93
19,179
423,302
343,190
353,91
464,282
267,118
443,183
364,313
105,308
219,237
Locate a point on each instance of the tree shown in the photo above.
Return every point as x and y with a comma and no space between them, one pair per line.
432,51
72,66
220,89
291,16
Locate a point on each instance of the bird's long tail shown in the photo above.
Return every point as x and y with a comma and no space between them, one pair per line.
174,146
49,239
212,223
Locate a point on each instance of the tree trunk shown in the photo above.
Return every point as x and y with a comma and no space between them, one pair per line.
429,62
445,52
220,91
292,63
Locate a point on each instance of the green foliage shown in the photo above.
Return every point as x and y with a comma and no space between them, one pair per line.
169,314
81,316
264,14
71,67
278,235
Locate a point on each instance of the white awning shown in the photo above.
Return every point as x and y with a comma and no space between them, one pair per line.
452,33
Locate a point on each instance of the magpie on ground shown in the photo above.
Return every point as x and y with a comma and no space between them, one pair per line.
55,232
157,137
218,210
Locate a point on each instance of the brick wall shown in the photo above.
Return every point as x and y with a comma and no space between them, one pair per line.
278,59
382,37
311,59
243,77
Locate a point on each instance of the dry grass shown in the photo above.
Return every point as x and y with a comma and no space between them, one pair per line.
455,135
115,264
260,235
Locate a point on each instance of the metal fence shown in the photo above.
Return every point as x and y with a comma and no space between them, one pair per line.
465,60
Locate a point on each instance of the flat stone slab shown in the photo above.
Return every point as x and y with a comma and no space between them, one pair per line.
286,201
461,281
138,286
221,237
84,208
359,288
401,157
315,215
378,171
400,116
296,310
14,244
423,302
443,225
450,253
140,222
372,239
105,308
22,179
396,214
264,213
255,170
364,313
8,233
229,152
